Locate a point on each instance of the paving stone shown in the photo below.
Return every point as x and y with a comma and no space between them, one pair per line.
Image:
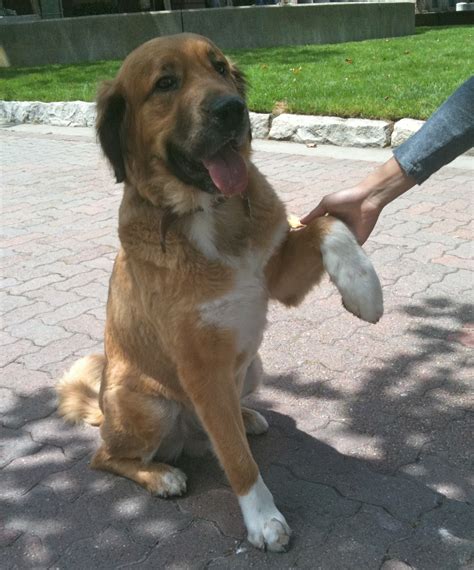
38,332
367,453
345,548
82,279
9,302
208,506
437,473
24,381
54,297
191,548
34,284
24,313
28,551
70,310
109,548
16,410
56,350
7,536
20,348
6,339
75,441
24,473
453,261
148,519
15,444
97,291
86,324
393,564
443,538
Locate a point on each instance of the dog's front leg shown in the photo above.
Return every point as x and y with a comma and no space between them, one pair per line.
210,384
326,244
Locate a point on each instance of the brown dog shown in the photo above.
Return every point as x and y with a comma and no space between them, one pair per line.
205,245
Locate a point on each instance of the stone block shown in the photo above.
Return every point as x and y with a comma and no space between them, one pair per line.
260,123
404,129
331,130
60,114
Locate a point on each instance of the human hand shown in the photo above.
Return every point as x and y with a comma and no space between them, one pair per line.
351,206
359,207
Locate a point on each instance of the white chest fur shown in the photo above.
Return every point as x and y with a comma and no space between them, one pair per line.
242,310
202,233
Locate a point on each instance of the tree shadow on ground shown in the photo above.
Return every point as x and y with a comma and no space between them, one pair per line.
414,403
345,511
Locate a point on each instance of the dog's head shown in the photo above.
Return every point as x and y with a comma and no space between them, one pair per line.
177,108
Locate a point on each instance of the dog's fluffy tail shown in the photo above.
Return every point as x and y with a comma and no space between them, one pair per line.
78,391
352,272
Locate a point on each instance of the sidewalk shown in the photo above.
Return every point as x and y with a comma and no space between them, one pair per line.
369,453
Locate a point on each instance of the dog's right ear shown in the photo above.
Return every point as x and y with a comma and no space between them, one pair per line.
111,107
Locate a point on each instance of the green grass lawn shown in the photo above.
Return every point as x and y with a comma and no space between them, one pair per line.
389,78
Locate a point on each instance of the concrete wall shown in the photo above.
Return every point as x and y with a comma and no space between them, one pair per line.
271,26
91,38
445,19
73,40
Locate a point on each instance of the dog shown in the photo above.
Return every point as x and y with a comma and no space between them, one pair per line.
205,244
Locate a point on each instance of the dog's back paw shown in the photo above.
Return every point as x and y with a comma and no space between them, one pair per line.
254,422
353,273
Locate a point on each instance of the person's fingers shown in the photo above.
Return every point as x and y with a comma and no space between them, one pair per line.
317,212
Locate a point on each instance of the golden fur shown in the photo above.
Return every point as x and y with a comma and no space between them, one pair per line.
172,378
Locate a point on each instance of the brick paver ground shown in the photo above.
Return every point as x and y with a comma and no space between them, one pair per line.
370,444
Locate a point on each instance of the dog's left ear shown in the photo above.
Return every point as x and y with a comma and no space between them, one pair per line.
110,124
239,79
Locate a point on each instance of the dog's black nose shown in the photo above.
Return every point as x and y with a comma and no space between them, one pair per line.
228,110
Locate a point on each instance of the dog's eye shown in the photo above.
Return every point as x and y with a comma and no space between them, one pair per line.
220,67
166,83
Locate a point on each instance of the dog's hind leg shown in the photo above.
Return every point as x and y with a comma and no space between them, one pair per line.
134,426
254,422
159,479
252,378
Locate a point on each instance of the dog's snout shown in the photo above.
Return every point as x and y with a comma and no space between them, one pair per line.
228,110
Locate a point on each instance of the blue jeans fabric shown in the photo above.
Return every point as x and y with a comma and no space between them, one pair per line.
446,134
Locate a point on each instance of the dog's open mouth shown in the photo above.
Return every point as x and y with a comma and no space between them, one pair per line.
228,170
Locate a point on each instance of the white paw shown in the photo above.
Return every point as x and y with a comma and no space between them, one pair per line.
255,423
273,534
173,483
353,273
266,526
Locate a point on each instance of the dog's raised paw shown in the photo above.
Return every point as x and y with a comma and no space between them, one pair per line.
361,293
353,273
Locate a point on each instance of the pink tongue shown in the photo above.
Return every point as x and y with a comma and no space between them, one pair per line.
228,171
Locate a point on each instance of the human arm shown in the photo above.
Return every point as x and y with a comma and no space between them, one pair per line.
448,133
359,207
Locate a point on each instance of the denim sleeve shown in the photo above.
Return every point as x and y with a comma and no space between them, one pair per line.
446,134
